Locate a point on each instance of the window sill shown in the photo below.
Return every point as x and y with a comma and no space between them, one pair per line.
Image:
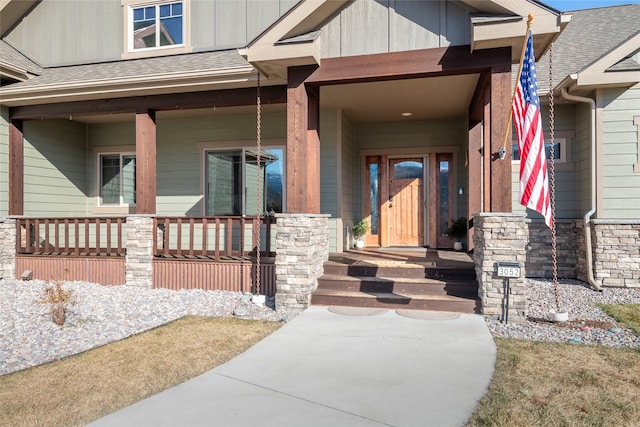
155,52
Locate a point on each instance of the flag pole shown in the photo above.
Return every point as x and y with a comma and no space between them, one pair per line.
515,87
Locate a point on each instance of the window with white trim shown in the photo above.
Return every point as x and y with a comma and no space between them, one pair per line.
559,150
231,181
155,25
117,179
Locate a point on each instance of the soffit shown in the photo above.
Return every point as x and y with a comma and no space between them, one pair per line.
12,11
426,98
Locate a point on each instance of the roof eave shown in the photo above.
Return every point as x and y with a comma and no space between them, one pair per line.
546,27
272,57
147,85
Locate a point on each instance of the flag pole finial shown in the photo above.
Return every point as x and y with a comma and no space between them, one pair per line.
529,21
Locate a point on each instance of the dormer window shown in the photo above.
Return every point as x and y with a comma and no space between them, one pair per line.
156,27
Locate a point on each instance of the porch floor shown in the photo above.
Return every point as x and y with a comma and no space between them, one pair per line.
399,278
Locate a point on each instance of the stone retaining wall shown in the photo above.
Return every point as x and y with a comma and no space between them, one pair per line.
616,253
7,248
539,261
511,237
302,247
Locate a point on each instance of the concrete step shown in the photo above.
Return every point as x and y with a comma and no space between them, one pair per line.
459,288
399,271
405,300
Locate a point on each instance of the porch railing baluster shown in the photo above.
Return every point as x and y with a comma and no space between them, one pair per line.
204,236
217,248
108,236
76,225
56,225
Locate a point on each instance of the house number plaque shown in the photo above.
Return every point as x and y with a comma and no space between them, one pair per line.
508,269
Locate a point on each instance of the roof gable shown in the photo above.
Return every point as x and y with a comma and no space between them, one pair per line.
504,24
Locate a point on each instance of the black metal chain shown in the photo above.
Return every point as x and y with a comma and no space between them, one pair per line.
552,178
259,183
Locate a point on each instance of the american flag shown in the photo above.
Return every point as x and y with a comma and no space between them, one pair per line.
534,182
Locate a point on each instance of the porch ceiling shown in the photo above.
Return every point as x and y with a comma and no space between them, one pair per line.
385,101
426,98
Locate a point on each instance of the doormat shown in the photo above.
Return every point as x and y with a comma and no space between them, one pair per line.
428,315
357,311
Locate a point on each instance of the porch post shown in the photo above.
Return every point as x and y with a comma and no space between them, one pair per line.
500,170
146,162
475,151
16,168
303,143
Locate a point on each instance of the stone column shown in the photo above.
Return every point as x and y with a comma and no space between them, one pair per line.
500,237
302,247
7,248
139,259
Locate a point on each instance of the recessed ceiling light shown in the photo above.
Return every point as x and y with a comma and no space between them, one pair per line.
407,114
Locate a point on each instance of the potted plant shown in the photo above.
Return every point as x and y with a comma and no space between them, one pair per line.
457,231
359,229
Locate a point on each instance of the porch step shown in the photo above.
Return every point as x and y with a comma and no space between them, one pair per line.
408,271
396,293
462,289
415,279
405,300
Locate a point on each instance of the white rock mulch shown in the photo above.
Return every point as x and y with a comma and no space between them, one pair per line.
99,315
587,323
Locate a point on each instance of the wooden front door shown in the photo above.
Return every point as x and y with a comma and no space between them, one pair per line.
406,202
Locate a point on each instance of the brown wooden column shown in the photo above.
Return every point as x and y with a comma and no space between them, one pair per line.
500,169
303,144
475,185
16,168
146,162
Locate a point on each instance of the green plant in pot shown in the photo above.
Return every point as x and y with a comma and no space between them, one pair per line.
359,229
457,231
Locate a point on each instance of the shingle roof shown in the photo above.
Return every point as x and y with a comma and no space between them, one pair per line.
591,34
9,55
136,68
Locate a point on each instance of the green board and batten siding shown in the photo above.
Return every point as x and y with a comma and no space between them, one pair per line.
567,194
583,158
380,26
215,25
620,184
348,171
54,168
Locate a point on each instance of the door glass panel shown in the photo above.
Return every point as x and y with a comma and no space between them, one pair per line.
443,194
373,197
407,170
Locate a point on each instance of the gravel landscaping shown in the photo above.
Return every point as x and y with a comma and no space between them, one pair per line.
100,314
587,323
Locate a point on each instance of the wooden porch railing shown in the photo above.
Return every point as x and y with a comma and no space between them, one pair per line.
91,236
213,237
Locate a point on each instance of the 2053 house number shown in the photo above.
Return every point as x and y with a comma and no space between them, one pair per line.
508,269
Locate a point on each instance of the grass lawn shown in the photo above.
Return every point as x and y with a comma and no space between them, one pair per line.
550,384
535,383
83,388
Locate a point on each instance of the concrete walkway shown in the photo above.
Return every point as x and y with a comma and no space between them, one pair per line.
338,367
